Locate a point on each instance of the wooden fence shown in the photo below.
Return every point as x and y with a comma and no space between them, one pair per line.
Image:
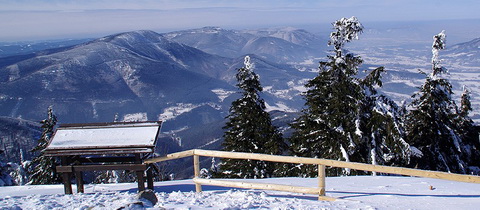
320,190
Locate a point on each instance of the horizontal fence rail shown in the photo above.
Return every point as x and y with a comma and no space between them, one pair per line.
300,160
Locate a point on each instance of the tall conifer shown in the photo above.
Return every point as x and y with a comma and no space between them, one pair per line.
345,118
43,171
468,134
249,129
436,127
327,127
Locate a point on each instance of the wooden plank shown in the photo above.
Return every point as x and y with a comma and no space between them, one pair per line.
64,169
404,171
133,146
262,186
97,151
254,156
341,164
94,150
75,168
172,156
109,124
333,163
107,159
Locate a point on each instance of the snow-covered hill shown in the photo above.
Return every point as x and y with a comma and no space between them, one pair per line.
140,75
356,192
125,73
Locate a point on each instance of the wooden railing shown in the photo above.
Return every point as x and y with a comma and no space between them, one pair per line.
320,190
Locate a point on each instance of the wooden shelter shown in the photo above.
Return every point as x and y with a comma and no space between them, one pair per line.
104,146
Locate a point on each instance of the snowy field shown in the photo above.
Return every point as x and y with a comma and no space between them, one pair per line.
361,192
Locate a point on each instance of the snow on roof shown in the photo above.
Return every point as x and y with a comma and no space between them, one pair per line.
114,135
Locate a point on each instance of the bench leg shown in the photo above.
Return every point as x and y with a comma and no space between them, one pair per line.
67,183
149,178
79,180
141,181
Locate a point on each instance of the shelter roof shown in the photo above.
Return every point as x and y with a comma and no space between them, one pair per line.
104,138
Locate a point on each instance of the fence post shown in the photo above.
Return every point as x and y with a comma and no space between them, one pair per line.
196,168
321,180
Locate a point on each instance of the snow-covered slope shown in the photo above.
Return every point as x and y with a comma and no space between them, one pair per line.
357,192
17,138
125,73
140,75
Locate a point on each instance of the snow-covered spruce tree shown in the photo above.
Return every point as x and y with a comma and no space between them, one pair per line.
249,129
43,171
19,171
342,119
380,125
468,134
326,129
433,122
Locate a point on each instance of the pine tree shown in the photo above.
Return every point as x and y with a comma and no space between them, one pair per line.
345,118
467,132
436,127
43,171
20,171
327,127
249,129
381,125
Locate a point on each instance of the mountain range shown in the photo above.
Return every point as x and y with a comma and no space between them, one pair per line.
141,75
187,79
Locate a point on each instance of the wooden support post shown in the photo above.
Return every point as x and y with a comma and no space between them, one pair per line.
321,181
140,180
149,177
196,168
66,176
79,180
67,183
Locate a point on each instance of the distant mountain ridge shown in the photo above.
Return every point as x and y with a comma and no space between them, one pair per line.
465,54
278,44
28,48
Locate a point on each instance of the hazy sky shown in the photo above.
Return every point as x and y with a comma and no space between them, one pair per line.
53,19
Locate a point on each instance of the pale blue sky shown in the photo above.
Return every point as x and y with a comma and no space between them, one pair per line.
53,19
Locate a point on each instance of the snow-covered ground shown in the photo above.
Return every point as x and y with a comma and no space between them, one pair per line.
359,192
